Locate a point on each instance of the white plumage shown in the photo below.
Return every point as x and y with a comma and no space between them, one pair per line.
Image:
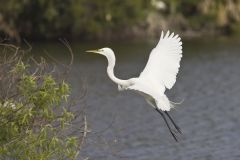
161,70
159,73
164,61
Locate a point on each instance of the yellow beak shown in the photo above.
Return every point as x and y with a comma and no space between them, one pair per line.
93,51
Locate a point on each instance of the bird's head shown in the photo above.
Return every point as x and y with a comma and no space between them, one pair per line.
107,52
103,51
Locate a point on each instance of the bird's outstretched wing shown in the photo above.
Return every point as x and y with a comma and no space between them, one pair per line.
164,61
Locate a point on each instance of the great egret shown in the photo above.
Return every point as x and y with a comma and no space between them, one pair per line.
159,73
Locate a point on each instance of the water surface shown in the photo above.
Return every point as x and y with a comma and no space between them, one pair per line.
129,129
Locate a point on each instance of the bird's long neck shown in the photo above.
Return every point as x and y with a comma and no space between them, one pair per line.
110,71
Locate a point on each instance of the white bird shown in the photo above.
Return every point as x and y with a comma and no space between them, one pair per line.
159,73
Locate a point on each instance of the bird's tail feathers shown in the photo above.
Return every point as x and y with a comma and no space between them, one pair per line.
163,103
173,104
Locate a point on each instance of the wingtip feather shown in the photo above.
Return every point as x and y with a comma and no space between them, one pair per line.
167,34
162,34
171,36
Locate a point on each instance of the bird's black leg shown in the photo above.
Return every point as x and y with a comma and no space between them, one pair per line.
165,120
175,125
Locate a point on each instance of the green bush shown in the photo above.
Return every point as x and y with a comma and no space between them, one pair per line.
35,117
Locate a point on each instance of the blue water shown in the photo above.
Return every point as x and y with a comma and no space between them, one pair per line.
125,127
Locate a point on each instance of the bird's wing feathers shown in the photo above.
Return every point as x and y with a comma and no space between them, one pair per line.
164,61
160,71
